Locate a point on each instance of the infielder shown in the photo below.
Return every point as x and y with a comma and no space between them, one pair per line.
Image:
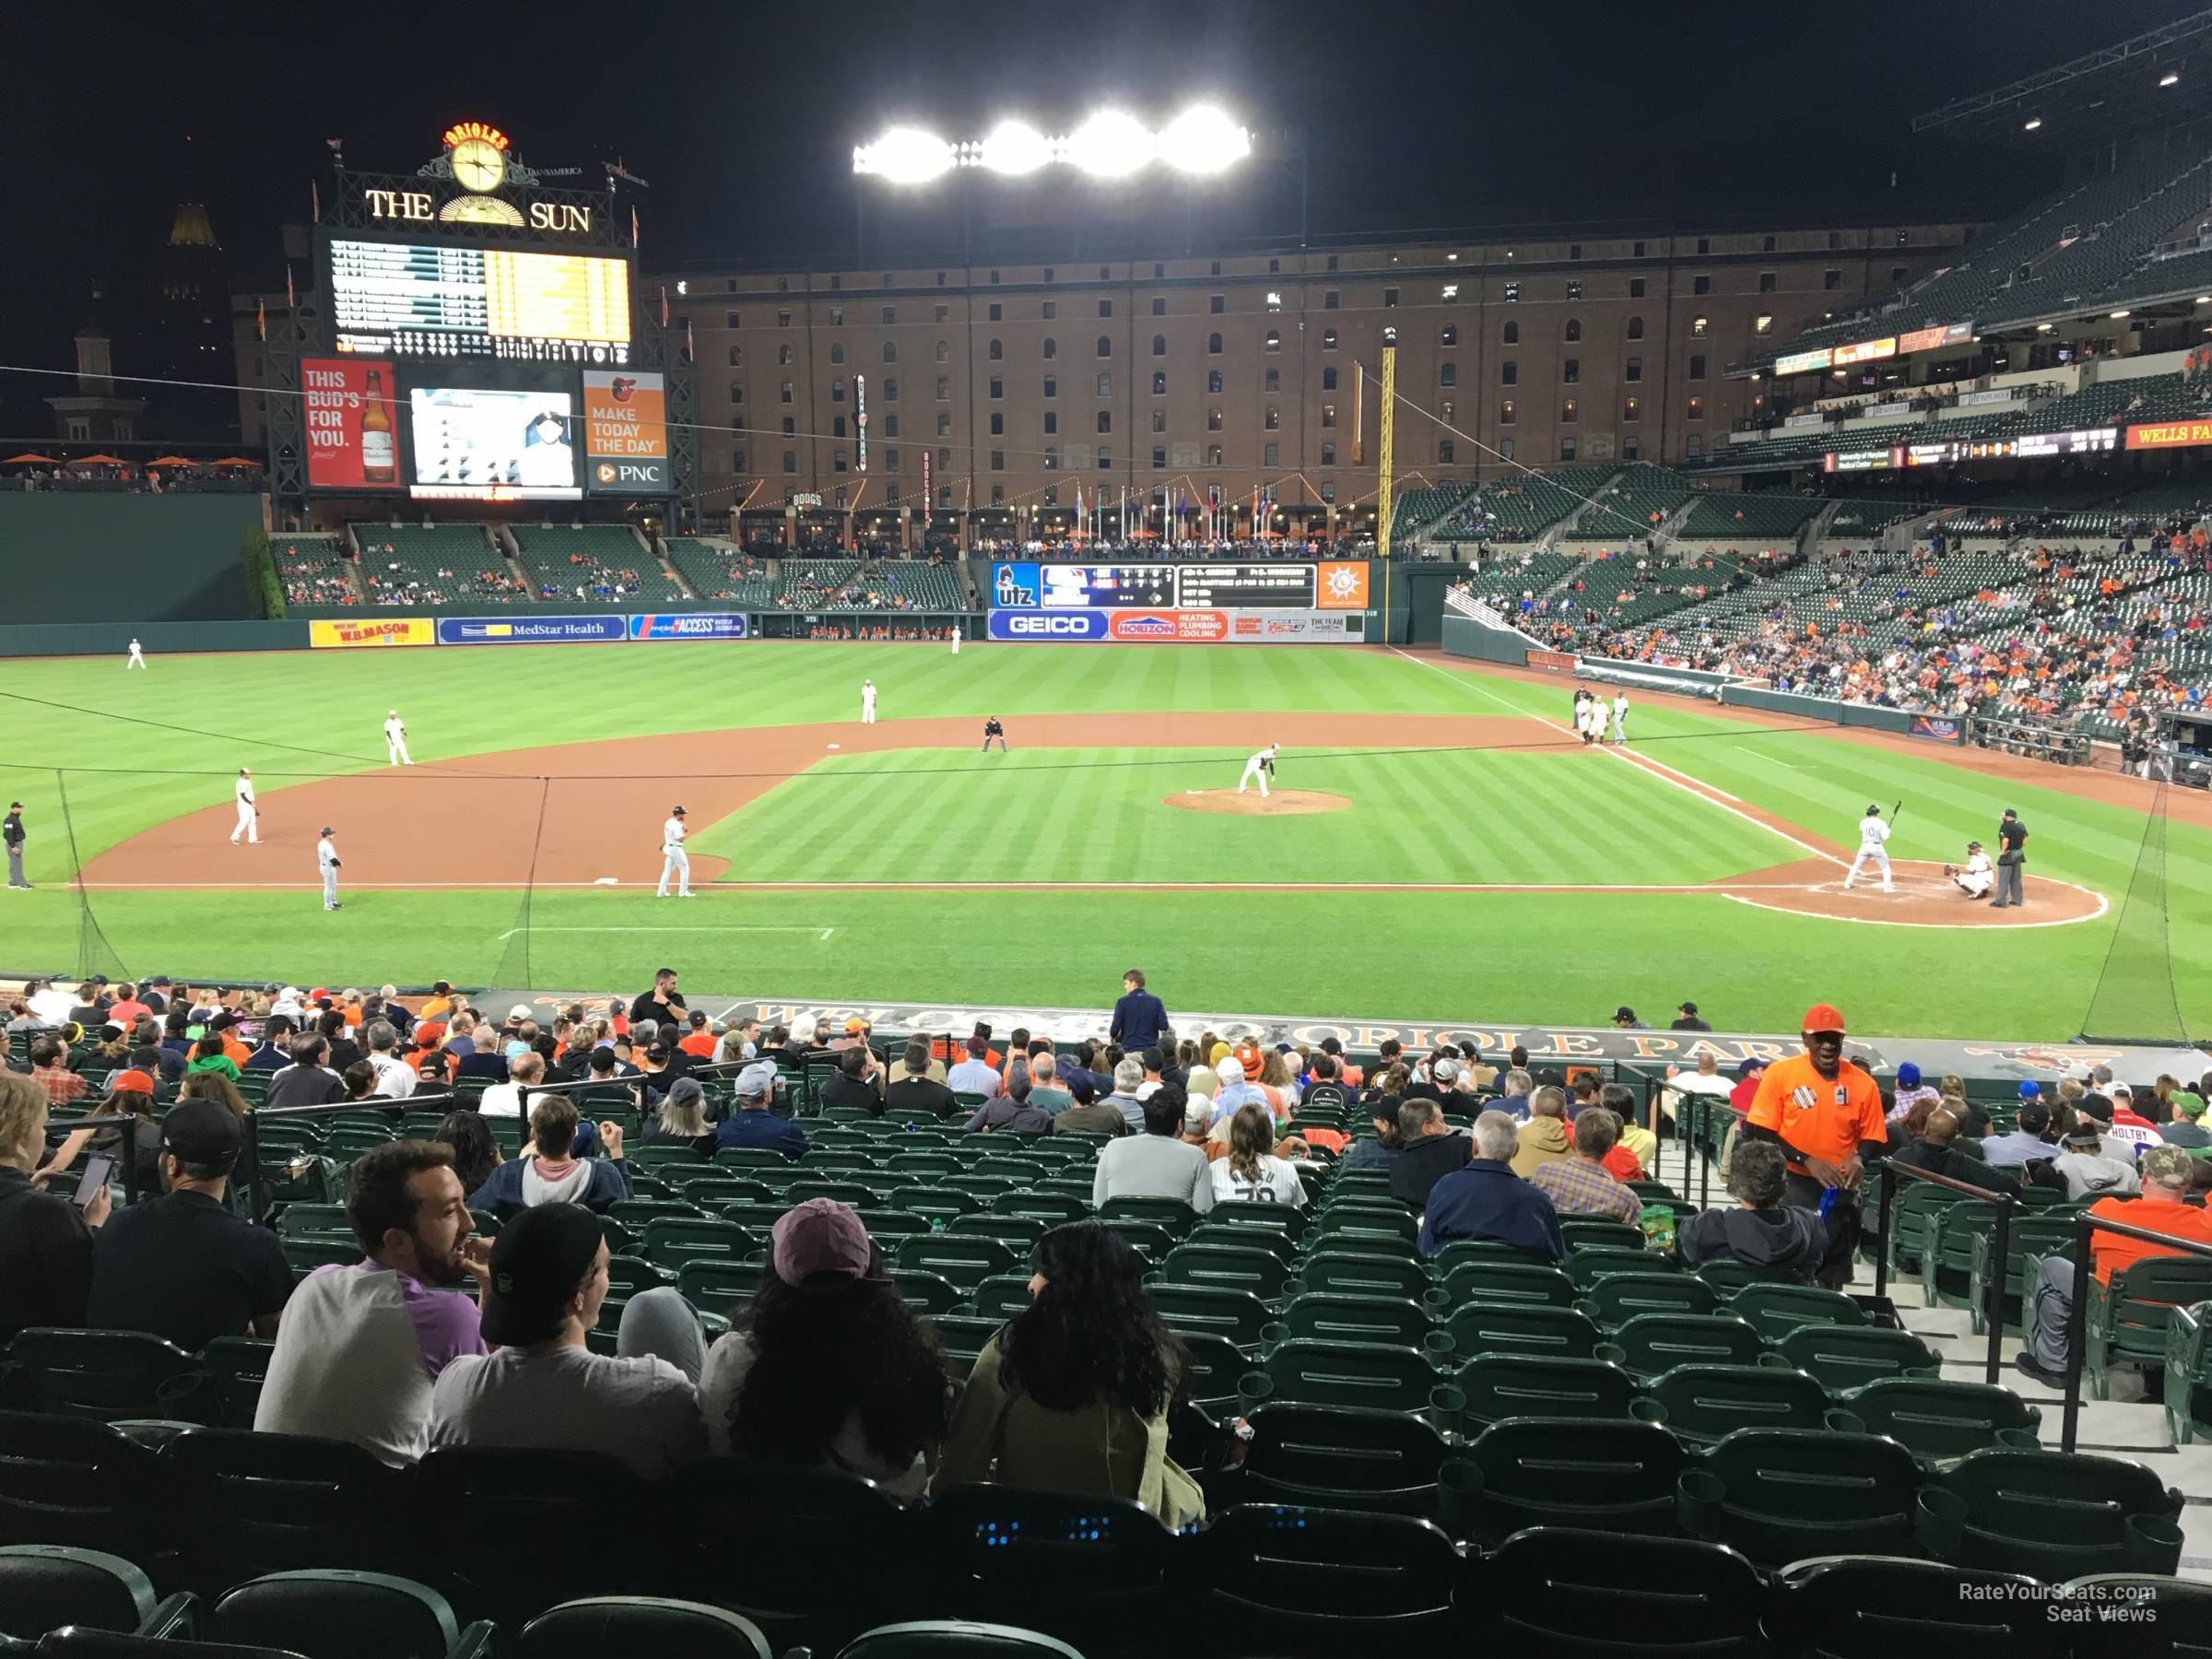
249,815
395,741
992,729
326,859
137,657
1590,720
675,861
1620,716
1261,766
867,702
1977,876
1873,833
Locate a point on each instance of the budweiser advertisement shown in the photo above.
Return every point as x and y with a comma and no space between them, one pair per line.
625,433
352,424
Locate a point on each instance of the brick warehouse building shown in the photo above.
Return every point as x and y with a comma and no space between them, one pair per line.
1022,382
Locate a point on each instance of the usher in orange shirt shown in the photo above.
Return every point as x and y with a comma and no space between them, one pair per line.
1843,1113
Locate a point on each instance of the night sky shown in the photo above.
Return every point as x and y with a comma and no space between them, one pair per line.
742,117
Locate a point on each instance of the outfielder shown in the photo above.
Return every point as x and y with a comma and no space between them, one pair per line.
1977,876
137,657
249,815
326,859
395,741
675,861
1261,766
1620,715
1873,833
867,702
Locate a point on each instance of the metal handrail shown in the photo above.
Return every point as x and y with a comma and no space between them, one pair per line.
2000,1246
2077,1314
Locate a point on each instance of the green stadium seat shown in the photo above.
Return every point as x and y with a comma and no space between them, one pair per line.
1871,1606
2127,1316
1559,1590
1173,1214
1616,1476
486,1513
1775,1311
45,1586
1292,1224
1354,1217
1649,1344
1069,1565
1587,1266
1019,1232
1846,1357
1582,1232
1151,1240
926,1293
235,1367
940,1204
1783,1495
1704,1402
1323,1316
628,1276
709,1284
2174,1615
1498,1279
1212,1310
1258,1271
885,1224
2030,1236
672,1241
309,1219
2188,1381
333,1614
845,1191
2052,1513
1055,1209
1909,1216
1374,1376
1342,1273
1502,1385
1521,1328
1319,1582
107,1376
1220,1233
1616,1298
1333,1457
1219,1367
965,1260
70,1480
1937,1420
1728,1275
263,1503
590,1628
964,1335
304,1255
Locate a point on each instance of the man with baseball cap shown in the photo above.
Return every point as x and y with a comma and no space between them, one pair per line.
181,1266
1827,1113
2030,1140
1686,1018
541,1387
326,860
753,1124
11,833
2163,1207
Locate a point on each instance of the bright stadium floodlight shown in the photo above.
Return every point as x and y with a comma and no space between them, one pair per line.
1203,140
1109,146
1014,148
904,156
2169,79
2032,124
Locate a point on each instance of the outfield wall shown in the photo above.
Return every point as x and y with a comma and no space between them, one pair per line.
67,557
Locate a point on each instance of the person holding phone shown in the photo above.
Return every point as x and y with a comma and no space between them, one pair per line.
46,1238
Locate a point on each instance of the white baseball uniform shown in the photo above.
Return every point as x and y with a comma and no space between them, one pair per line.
1873,832
1976,876
137,658
867,703
326,860
675,861
395,742
248,822
1620,716
1255,768
956,641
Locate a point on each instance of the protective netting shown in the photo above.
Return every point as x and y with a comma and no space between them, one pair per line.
2135,999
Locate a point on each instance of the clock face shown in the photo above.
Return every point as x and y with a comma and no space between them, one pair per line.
477,165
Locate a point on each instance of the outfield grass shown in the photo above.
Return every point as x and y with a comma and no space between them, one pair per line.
145,749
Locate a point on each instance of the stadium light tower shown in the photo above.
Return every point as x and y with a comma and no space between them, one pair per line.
1112,144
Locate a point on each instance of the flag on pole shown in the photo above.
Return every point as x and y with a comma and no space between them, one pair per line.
634,226
291,301
1358,413
664,305
314,198
261,319
690,351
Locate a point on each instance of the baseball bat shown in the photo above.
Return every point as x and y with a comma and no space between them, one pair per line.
1893,812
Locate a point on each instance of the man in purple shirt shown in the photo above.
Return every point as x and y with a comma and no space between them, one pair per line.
360,1346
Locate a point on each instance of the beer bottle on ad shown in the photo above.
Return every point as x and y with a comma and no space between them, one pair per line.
380,454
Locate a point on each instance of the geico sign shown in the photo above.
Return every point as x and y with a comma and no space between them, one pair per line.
1047,625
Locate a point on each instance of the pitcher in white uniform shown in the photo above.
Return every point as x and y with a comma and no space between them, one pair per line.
1976,876
867,702
675,861
395,741
249,815
1259,766
1620,716
1873,833
326,860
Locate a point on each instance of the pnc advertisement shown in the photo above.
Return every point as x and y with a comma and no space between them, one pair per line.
625,433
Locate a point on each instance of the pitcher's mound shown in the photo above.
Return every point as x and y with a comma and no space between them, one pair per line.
1283,803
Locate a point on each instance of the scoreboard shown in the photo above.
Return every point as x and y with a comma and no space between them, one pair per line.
1247,586
1275,584
466,299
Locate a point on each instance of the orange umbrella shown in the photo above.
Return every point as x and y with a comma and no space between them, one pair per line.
100,461
234,461
29,460
173,461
